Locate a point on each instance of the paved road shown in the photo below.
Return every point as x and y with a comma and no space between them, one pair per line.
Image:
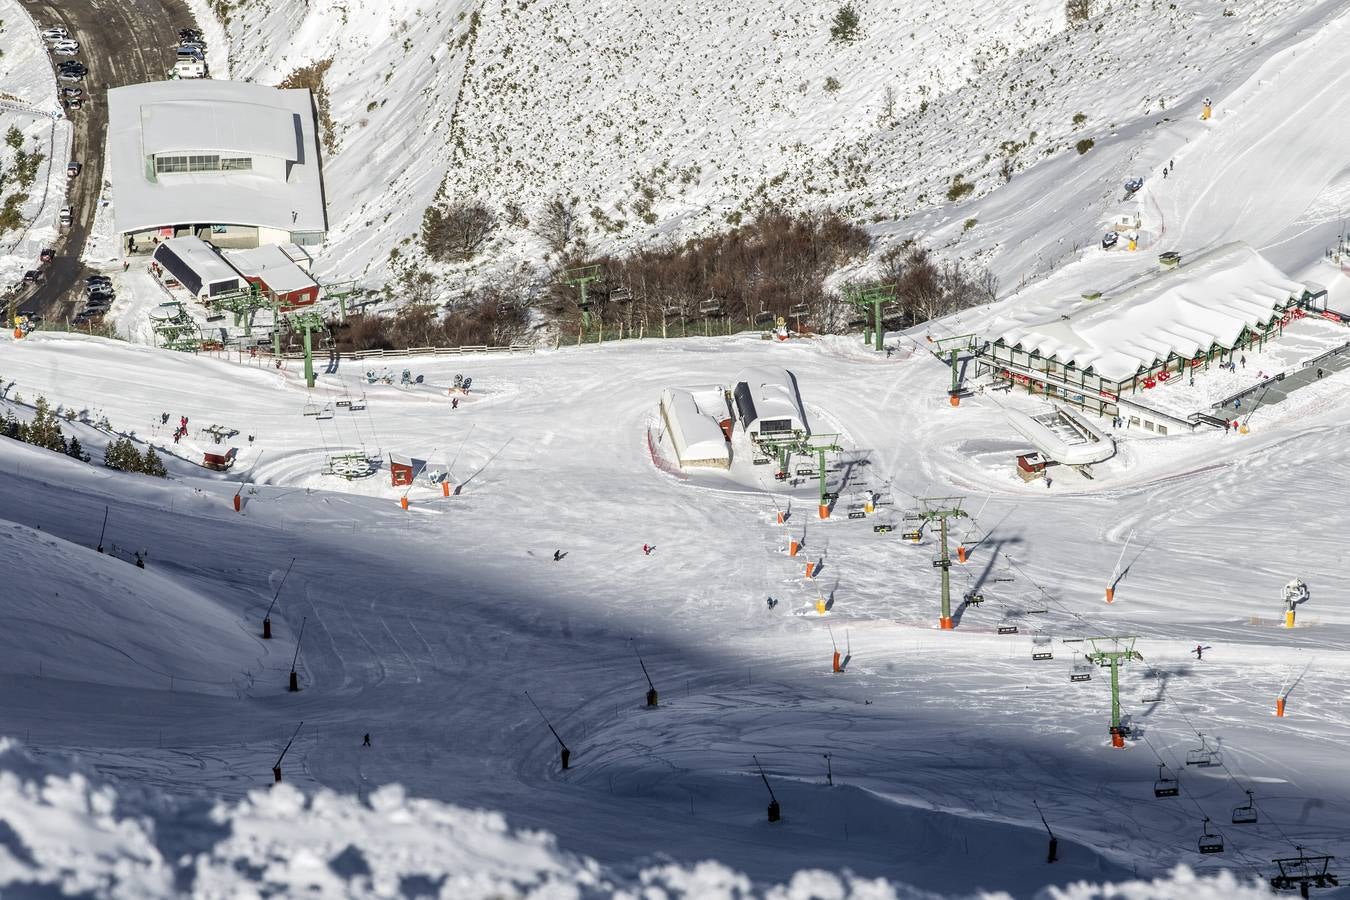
121,42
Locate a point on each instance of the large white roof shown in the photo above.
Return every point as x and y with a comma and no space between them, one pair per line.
203,260
1207,301
231,125
206,115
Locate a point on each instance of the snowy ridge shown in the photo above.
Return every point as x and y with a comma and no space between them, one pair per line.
64,830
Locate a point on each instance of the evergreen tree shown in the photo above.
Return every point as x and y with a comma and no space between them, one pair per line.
74,449
151,464
45,429
122,456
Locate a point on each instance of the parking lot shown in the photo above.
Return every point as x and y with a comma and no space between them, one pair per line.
119,43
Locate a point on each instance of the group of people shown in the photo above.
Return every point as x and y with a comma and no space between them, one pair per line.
181,431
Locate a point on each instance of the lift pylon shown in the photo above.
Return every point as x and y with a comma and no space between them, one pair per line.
1121,650
941,510
579,278
869,299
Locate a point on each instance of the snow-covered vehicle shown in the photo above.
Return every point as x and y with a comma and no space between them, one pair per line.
1109,240
1133,185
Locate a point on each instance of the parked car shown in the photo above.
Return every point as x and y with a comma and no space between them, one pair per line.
47,255
72,92
83,318
101,295
66,215
98,279
71,102
187,34
32,275
66,48
191,53
73,65
72,169
72,74
55,33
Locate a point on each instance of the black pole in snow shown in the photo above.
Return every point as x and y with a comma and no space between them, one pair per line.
1053,853
276,770
267,617
566,753
295,679
102,530
775,813
652,696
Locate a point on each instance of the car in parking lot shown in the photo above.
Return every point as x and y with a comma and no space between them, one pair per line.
33,275
55,33
47,255
73,65
102,294
66,215
70,76
189,34
72,169
72,92
98,279
71,102
66,48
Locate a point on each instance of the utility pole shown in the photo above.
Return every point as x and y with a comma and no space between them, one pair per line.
869,299
1122,651
941,510
579,278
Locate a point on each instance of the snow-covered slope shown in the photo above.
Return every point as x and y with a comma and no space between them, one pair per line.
671,119
66,831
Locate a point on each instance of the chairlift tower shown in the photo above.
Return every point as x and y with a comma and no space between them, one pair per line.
940,510
243,304
579,278
307,322
810,445
1122,651
870,298
952,347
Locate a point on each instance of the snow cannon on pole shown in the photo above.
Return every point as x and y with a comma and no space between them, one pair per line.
1295,592
267,618
1053,853
1207,110
775,813
652,696
566,754
102,530
276,769
295,679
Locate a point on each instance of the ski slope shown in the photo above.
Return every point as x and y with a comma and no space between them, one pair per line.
426,627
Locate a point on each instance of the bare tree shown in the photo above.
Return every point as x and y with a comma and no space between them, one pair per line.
457,231
557,225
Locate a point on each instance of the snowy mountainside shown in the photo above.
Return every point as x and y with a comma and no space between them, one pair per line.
670,120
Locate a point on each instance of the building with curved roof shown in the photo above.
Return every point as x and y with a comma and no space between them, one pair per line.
230,162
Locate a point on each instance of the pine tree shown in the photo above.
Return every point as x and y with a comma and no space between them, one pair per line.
75,450
45,429
151,464
120,455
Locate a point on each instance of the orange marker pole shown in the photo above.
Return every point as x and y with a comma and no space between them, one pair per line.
946,623
445,489
961,553
237,502
836,661
1110,595
810,570
403,501
1279,707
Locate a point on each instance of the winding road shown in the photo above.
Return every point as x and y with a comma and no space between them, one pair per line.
121,42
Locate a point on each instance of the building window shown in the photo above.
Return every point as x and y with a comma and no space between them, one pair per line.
236,164
201,162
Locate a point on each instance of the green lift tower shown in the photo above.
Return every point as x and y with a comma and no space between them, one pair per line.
942,510
1112,652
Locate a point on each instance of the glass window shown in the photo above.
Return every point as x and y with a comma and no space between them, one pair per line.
236,164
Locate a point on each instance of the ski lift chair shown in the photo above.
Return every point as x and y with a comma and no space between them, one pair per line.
1040,649
1164,786
1007,626
311,409
1210,842
1082,671
763,318
710,307
325,413
1245,814
1202,756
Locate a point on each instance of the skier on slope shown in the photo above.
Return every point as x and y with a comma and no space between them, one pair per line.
366,741
1199,651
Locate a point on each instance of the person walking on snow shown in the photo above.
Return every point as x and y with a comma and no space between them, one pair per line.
454,403
1199,651
647,549
366,741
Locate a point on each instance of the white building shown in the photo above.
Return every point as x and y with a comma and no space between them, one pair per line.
694,419
769,404
196,267
231,162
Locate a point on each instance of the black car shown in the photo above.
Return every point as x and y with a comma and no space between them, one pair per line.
32,275
72,65
98,279
99,293
47,255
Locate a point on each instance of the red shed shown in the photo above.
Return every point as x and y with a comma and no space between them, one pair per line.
400,470
219,461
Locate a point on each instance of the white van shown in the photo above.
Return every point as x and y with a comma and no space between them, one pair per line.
188,68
